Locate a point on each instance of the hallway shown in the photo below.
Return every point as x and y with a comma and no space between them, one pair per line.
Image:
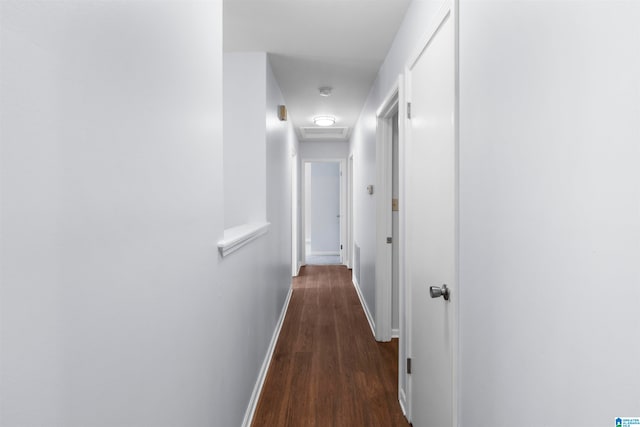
327,369
152,183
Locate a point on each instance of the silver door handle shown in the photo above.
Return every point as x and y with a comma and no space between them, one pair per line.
437,292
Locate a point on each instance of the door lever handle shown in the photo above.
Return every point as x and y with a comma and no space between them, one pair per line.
437,292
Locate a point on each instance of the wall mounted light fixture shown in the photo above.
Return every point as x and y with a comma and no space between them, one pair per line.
282,113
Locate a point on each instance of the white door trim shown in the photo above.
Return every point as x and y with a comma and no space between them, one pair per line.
448,8
384,168
404,332
349,247
393,103
295,181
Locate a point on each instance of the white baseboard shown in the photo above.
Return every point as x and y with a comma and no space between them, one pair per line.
365,307
395,333
298,267
325,253
257,389
402,398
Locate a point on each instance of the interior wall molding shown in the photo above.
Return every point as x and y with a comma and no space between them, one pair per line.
237,237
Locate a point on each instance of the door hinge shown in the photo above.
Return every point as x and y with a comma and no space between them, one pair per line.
408,110
340,247
389,240
408,365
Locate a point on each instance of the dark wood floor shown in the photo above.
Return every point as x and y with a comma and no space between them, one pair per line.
327,369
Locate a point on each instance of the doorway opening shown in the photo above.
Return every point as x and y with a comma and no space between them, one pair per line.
388,220
295,257
391,236
323,212
349,251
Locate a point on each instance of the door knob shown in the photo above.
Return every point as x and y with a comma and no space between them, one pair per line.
437,292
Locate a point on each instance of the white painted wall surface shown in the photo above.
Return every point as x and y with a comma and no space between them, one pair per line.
282,143
245,146
550,212
257,278
325,208
324,150
364,207
112,291
111,180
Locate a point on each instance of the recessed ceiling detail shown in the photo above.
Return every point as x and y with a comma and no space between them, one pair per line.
328,133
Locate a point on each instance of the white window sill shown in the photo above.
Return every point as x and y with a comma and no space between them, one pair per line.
236,237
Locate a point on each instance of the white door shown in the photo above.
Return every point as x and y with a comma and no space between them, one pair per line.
325,208
431,211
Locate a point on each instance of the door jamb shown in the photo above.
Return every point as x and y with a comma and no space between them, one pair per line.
295,241
394,102
349,246
384,168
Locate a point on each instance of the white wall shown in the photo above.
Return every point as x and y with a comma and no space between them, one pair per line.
282,145
116,309
111,176
325,208
257,278
245,94
324,150
364,225
550,212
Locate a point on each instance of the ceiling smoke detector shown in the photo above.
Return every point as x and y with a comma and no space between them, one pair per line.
325,91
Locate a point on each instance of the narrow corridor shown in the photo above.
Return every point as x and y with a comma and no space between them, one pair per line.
327,369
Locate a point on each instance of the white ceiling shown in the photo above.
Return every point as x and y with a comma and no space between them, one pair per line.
314,43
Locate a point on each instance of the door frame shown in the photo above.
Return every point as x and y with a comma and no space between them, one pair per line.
349,247
295,241
394,102
384,168
448,8
342,200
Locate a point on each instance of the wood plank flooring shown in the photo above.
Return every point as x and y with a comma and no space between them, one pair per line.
327,369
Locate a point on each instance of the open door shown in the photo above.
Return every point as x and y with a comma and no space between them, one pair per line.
431,226
324,216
